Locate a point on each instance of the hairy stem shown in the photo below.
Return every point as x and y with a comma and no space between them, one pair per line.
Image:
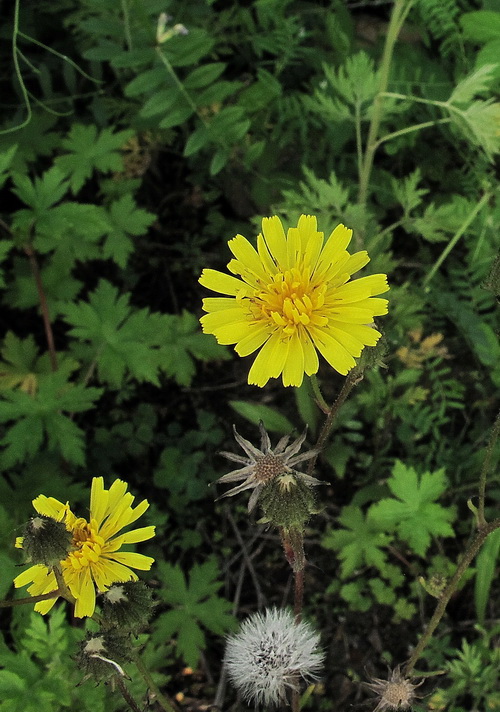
165,704
126,694
352,379
30,599
450,589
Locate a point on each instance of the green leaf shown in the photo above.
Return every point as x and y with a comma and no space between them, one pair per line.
5,248
481,25
88,152
125,219
486,564
40,418
195,605
479,81
413,512
361,543
6,158
204,75
255,412
41,193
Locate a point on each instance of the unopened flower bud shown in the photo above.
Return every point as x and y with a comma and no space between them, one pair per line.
127,605
101,655
288,502
45,540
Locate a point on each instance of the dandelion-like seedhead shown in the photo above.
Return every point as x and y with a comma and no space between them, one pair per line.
396,693
270,653
272,469
291,298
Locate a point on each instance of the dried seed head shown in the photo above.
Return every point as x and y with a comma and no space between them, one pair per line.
396,693
268,468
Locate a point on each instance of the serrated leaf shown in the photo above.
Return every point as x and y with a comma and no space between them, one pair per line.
41,193
255,412
89,151
196,604
474,84
40,418
361,543
413,512
125,219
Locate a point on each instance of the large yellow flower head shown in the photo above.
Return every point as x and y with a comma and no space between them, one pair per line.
292,298
94,560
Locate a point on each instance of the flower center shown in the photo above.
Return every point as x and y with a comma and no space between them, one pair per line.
87,544
268,467
290,301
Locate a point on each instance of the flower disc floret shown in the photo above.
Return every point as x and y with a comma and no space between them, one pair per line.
292,298
94,560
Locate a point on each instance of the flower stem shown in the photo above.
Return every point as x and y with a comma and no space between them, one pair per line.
398,16
456,237
353,378
165,704
495,432
463,565
126,694
30,599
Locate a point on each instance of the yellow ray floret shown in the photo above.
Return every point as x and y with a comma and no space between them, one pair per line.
94,561
291,298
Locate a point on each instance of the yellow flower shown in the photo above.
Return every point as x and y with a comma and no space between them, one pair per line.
94,561
292,298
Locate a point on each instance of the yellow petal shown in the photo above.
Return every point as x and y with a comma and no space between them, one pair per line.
220,282
85,597
50,507
274,236
136,561
257,335
293,370
333,351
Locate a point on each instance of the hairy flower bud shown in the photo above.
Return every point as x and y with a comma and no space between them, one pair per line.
127,605
45,540
100,655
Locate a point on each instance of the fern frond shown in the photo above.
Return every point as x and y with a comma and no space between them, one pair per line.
440,17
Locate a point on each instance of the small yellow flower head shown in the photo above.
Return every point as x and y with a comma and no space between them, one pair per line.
272,475
291,298
94,560
396,693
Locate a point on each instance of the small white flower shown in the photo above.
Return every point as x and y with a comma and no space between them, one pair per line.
270,653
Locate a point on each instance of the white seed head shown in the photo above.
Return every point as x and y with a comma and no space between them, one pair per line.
270,653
